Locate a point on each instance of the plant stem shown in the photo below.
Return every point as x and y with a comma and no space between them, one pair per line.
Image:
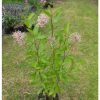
64,53
52,23
37,53
52,32
53,48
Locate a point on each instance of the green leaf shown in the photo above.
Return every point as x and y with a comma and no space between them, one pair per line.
58,11
51,93
31,31
34,64
31,16
44,76
29,21
36,29
57,16
47,12
40,37
66,27
68,59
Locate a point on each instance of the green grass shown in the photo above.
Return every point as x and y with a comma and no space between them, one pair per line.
83,16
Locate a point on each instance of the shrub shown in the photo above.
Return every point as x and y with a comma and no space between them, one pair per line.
51,55
8,22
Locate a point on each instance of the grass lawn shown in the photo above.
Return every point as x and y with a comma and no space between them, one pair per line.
83,16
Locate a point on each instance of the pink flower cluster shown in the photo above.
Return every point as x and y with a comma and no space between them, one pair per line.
42,20
75,37
43,1
19,37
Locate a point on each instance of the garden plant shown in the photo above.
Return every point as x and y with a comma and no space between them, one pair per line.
50,55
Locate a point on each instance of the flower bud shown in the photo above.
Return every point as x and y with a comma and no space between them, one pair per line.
19,37
75,38
42,20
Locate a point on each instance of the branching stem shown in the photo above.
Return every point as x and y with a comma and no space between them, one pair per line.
53,48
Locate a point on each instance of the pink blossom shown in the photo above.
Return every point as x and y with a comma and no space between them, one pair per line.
42,20
75,37
43,1
19,37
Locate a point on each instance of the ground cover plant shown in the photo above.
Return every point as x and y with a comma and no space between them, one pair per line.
84,23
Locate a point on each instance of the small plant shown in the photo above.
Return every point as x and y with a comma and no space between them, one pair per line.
50,54
9,21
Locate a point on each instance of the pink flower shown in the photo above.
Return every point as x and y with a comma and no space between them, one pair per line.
43,1
42,20
19,37
75,37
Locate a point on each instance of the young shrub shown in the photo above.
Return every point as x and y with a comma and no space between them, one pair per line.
50,54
